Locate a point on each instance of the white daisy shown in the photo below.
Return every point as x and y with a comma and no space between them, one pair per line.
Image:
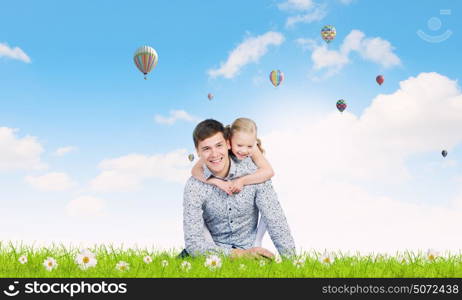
147,259
432,254
299,262
327,258
186,266
278,259
122,266
50,263
213,262
85,259
23,259
164,263
262,263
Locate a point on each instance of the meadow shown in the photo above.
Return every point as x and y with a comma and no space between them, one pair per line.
107,261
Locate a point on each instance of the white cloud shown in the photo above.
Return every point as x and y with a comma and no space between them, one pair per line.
13,53
19,153
249,51
128,172
53,181
376,50
64,150
296,5
323,179
175,115
86,206
317,14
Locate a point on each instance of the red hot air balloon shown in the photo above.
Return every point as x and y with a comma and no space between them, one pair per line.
379,79
210,96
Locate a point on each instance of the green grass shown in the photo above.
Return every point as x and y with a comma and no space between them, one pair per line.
382,266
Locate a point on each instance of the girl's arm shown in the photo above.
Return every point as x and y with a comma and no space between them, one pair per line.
264,172
198,173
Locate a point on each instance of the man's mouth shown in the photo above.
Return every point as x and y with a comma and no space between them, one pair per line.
216,161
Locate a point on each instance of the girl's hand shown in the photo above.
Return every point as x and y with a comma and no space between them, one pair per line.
226,186
237,185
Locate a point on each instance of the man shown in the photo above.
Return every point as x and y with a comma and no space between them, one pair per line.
231,219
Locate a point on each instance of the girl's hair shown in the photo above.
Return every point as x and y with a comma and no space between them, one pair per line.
243,125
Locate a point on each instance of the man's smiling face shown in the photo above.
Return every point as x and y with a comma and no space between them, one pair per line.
214,152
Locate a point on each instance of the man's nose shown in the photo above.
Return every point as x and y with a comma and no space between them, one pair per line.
214,152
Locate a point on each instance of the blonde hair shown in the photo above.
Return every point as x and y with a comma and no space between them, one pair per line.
243,125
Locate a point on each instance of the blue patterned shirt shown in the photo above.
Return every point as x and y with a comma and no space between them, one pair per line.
232,219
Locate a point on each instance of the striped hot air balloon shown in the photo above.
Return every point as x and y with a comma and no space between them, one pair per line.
191,157
341,105
328,33
145,59
276,77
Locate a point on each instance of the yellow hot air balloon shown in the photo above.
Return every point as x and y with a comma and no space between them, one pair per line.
328,33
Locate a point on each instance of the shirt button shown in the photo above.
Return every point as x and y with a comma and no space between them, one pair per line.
230,208
231,221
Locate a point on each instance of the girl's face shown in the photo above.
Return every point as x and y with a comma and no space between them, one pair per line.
243,144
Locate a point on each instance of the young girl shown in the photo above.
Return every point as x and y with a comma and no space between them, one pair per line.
242,136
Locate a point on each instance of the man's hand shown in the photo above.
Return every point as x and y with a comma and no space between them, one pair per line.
237,185
255,252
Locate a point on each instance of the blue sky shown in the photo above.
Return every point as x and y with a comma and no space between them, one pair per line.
75,85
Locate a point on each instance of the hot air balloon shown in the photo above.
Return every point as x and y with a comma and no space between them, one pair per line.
145,59
341,105
210,96
328,33
379,79
276,77
191,157
444,153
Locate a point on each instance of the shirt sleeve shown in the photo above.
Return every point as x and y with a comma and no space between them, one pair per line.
273,215
196,242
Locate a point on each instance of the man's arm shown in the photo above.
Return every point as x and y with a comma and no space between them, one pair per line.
273,215
193,223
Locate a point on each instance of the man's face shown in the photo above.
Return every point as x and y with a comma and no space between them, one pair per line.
214,152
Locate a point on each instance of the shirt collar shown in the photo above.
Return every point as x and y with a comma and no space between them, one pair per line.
231,174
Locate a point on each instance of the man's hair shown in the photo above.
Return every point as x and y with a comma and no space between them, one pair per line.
206,129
